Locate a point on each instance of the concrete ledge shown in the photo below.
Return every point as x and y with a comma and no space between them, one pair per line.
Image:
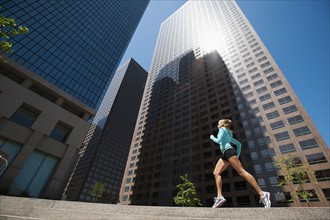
15,208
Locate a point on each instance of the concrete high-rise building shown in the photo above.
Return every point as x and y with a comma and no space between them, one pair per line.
76,46
53,84
209,64
98,174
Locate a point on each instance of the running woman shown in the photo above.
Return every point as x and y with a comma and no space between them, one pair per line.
230,157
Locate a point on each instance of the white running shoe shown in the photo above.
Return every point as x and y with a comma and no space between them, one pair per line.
265,199
218,201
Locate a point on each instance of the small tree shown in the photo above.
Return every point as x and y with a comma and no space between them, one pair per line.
295,172
186,195
8,30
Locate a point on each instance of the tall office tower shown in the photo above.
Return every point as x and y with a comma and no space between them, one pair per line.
209,64
52,85
74,45
98,174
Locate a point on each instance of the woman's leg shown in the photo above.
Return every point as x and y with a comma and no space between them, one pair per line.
234,161
219,168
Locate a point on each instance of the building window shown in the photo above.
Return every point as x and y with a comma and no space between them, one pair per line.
243,200
264,140
295,120
8,150
225,187
261,89
254,110
275,84
268,152
243,82
272,115
277,125
269,166
25,116
262,59
268,105
254,155
280,92
273,180
284,100
155,195
34,174
264,97
73,110
261,182
257,168
208,165
326,193
316,158
255,76
260,129
282,136
290,109
11,76
283,197
301,131
322,175
287,148
61,132
307,144
42,93
240,185
245,88
258,83
248,95
210,189
265,64
271,77
251,102
241,75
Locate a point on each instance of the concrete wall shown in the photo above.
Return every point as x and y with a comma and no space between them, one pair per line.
13,95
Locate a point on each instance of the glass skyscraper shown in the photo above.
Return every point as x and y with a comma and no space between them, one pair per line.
59,70
98,174
209,64
75,45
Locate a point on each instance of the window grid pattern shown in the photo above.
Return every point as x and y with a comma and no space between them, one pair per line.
67,46
258,88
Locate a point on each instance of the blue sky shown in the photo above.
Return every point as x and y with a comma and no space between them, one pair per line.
296,33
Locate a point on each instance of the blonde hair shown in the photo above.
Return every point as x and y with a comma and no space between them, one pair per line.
225,123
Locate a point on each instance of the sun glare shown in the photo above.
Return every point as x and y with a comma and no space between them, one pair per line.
211,41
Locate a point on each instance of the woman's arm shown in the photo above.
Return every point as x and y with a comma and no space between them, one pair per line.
219,136
238,144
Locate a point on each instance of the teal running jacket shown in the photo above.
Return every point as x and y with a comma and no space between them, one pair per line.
224,138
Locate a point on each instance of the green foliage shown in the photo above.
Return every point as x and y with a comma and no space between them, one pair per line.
186,195
295,172
8,29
